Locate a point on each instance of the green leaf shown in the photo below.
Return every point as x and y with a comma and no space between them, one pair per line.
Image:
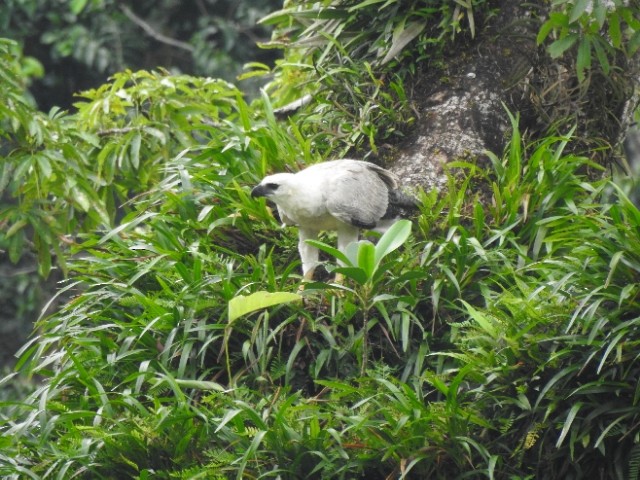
557,48
15,227
602,56
614,30
78,5
600,13
567,424
134,150
334,252
44,165
630,16
16,247
285,15
227,418
634,43
481,319
544,31
578,9
243,304
367,258
613,264
44,256
354,273
364,4
402,37
200,385
392,239
583,62
124,226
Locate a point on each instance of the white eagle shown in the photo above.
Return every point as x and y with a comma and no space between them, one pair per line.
341,195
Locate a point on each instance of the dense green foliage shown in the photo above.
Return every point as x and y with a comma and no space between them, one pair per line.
352,57
81,42
492,339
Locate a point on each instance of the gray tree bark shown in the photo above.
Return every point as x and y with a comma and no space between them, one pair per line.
461,114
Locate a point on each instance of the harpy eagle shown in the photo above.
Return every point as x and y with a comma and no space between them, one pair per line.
341,195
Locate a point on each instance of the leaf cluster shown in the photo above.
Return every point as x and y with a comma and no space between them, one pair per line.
595,30
353,59
80,42
498,340
503,333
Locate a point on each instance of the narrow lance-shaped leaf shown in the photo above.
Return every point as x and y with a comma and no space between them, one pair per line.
615,31
583,62
401,38
567,424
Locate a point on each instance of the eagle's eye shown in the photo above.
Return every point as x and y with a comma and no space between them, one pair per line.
272,186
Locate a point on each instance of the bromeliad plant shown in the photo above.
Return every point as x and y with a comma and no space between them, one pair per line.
363,264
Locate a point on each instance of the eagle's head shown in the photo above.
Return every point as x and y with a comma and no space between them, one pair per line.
274,187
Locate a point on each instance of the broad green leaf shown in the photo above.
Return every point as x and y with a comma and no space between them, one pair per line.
351,252
544,31
44,256
243,304
578,9
392,239
557,48
405,329
44,165
334,252
600,13
354,273
367,258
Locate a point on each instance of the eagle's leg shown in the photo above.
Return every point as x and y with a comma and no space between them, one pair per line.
346,235
308,253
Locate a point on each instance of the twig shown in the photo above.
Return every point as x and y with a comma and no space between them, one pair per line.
152,33
112,131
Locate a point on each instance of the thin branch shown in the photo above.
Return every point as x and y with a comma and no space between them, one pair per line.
116,131
152,33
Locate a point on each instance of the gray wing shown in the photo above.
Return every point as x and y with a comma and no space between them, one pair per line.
358,193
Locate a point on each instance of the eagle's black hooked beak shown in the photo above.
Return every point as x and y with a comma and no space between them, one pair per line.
258,191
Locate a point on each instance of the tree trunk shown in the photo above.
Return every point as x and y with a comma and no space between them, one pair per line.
461,112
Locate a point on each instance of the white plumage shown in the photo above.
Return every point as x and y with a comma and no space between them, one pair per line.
341,195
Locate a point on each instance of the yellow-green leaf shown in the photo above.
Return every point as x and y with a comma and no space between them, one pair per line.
243,304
